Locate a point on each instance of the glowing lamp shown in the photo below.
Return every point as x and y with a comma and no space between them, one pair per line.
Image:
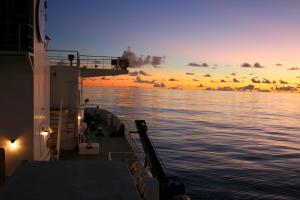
79,117
44,133
13,143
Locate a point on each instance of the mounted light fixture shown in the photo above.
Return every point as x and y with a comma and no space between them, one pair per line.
13,143
45,131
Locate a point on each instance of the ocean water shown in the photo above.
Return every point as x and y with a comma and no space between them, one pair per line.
223,145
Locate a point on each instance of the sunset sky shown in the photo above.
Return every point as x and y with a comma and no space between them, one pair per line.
194,44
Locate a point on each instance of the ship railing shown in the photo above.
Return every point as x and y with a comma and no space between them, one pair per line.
135,144
16,37
132,138
59,129
55,136
74,59
99,62
157,154
64,57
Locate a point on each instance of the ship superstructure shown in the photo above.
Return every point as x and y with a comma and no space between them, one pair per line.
24,82
45,118
32,89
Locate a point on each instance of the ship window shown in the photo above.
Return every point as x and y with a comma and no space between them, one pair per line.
16,25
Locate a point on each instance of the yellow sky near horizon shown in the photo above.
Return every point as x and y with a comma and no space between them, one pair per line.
178,79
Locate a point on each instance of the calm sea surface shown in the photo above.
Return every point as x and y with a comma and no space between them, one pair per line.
223,145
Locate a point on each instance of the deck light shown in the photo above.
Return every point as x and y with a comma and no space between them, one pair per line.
13,143
45,131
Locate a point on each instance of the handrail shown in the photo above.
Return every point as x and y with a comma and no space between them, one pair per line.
157,154
170,186
62,57
136,148
59,128
16,37
68,58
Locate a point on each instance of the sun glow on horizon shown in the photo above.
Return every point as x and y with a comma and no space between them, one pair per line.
199,81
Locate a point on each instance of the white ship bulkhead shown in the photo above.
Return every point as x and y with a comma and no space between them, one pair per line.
34,94
66,90
25,98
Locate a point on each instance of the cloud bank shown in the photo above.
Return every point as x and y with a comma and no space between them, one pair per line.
193,64
172,79
189,73
139,73
294,68
256,65
140,61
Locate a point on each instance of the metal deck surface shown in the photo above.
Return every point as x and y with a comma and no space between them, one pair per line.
76,180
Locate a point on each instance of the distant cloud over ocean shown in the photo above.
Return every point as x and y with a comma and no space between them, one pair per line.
140,61
135,73
193,64
143,73
246,65
173,79
162,85
247,87
253,80
256,65
139,80
286,88
139,73
283,82
294,68
189,73
235,80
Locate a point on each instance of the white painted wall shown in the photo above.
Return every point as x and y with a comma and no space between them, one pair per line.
16,106
66,84
24,104
41,80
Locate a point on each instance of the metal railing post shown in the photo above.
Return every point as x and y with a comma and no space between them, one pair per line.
59,128
78,59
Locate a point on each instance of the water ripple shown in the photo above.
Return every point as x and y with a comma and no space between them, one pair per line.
223,145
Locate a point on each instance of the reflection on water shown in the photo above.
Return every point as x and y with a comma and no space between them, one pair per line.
224,145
